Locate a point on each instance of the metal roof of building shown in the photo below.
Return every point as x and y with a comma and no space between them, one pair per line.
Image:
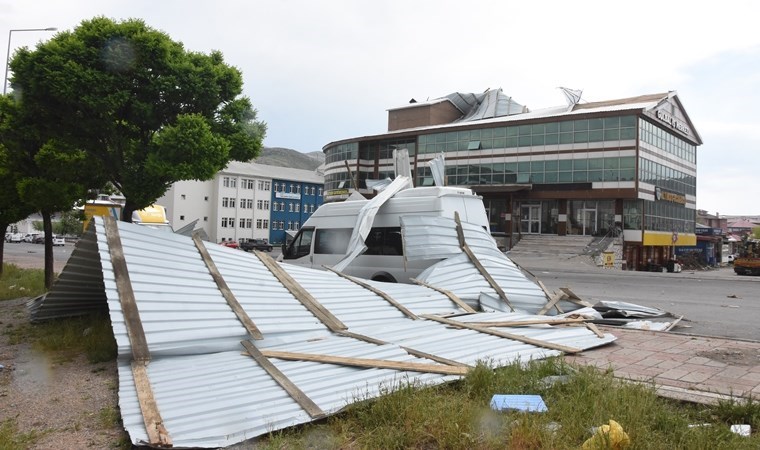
217,346
276,172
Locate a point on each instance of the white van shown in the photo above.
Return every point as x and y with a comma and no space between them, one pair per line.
323,238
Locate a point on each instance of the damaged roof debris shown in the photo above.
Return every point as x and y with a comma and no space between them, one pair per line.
216,346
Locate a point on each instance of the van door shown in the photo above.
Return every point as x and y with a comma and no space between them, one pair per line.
299,250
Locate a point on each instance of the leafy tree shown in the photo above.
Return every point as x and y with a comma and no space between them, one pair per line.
70,223
146,111
47,174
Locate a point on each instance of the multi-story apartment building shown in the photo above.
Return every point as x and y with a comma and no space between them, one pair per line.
239,202
577,169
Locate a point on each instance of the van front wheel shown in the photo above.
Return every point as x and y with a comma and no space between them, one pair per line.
384,277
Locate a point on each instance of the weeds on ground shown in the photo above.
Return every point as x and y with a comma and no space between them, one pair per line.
458,415
16,282
11,439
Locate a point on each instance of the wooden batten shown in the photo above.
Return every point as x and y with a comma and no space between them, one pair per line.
294,391
452,296
229,297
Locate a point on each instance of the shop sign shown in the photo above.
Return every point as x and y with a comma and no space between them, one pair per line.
672,121
662,194
334,192
287,195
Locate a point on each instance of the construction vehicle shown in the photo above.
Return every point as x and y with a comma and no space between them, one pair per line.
153,216
748,261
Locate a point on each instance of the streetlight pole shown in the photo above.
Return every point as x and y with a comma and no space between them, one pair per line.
8,53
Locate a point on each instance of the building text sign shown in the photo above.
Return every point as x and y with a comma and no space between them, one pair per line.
672,121
661,194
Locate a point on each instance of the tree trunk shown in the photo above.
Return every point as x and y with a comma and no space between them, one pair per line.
4,226
47,225
127,210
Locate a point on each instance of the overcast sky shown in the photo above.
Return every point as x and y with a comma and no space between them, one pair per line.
321,71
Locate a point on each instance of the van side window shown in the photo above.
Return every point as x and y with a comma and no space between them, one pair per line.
332,241
384,241
301,245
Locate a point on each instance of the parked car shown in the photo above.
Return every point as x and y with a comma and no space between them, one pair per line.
14,237
30,237
39,239
256,244
58,240
230,244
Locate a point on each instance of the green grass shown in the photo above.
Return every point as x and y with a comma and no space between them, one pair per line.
11,439
16,282
458,416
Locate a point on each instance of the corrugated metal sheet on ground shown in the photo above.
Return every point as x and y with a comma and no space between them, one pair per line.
208,393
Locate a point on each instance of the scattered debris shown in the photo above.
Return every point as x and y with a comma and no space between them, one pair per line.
527,403
610,436
741,430
733,296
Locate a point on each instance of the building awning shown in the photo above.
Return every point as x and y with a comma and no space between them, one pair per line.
500,188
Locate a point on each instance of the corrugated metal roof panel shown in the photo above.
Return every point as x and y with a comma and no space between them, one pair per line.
208,393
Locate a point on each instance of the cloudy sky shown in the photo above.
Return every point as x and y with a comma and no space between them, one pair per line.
321,71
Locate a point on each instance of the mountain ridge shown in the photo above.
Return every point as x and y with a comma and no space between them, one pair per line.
287,157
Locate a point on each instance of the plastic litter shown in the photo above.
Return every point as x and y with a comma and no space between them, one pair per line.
608,437
741,430
528,403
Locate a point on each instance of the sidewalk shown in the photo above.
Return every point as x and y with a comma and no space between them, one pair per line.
685,367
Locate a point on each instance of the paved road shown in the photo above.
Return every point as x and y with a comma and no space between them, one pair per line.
716,302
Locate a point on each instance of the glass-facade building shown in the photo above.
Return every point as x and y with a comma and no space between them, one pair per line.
591,169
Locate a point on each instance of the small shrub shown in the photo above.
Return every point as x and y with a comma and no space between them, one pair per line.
16,282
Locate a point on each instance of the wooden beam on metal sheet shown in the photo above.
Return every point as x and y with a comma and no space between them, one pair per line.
158,436
574,298
675,322
294,391
135,331
525,323
452,296
550,304
301,294
595,330
376,291
474,259
411,351
515,337
229,297
368,363
549,295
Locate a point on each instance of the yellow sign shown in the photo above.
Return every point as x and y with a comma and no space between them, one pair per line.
668,238
609,259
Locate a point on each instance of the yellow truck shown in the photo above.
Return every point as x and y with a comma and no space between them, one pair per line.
748,261
153,216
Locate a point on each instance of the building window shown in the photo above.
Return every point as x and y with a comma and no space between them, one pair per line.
183,196
205,199
205,218
264,185
181,217
248,223
279,187
258,224
290,206
298,207
224,222
246,183
225,202
262,204
266,224
226,181
232,202
242,223
319,192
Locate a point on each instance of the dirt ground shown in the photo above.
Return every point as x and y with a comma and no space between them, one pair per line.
62,403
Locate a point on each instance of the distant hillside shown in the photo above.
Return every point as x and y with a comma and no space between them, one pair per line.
285,157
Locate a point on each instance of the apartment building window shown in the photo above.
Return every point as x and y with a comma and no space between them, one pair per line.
266,205
181,217
319,192
247,183
225,202
298,207
290,206
226,181
278,187
183,196
242,223
262,204
205,199
246,203
205,218
224,222
249,223
266,224
258,223
232,202
264,185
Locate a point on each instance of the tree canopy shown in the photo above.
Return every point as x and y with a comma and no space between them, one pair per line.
144,111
